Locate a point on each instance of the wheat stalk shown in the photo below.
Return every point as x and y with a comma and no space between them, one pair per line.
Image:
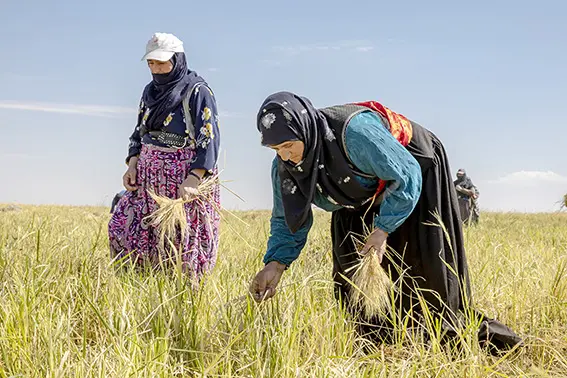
370,285
170,216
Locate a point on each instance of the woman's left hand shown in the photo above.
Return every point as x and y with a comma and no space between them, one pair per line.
188,188
377,241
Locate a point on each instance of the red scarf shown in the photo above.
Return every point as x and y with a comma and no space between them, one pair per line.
400,127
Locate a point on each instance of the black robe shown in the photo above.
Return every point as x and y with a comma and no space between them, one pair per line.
433,258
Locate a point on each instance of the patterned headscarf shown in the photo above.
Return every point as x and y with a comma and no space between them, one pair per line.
285,116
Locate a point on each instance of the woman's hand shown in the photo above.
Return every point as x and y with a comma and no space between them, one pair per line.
377,241
188,188
263,286
129,178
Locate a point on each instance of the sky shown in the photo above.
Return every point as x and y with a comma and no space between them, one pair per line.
487,77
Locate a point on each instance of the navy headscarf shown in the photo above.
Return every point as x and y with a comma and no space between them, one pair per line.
463,180
285,116
166,91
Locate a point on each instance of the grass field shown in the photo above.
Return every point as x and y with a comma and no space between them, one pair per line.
66,312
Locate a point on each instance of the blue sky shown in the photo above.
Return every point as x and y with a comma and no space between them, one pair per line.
488,77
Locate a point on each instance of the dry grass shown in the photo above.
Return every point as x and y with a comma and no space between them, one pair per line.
65,312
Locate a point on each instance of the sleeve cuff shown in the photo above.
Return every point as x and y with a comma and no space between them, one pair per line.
276,259
204,164
130,156
383,227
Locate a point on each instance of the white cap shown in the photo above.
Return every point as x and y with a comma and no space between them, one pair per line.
162,46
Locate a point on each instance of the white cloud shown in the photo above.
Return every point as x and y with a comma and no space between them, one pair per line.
18,156
26,77
352,45
271,62
88,110
524,191
395,40
531,177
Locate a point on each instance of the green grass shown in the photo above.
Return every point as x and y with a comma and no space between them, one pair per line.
66,312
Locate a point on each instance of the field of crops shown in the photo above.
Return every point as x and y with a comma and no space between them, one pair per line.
65,311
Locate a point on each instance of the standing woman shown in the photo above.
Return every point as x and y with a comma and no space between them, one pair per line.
373,169
174,147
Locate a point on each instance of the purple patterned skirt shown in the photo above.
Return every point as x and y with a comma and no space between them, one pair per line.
131,236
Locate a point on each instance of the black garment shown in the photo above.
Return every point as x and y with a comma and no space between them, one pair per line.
468,210
428,257
285,116
338,118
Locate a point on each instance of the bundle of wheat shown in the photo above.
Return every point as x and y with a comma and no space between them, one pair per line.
170,218
371,286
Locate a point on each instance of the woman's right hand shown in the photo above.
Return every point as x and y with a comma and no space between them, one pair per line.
264,285
129,178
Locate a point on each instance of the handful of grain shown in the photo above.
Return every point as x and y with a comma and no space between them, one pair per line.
170,217
371,286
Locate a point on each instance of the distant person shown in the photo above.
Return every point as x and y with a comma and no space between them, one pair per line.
174,146
372,169
467,194
116,199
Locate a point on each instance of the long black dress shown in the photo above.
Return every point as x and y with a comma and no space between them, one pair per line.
434,258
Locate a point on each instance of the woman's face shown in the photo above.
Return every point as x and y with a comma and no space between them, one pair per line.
158,67
290,151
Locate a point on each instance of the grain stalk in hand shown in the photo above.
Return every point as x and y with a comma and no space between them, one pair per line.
370,286
170,217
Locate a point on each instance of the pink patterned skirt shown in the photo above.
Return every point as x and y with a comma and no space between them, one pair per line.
131,236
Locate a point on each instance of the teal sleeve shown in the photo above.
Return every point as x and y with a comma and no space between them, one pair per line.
373,150
283,246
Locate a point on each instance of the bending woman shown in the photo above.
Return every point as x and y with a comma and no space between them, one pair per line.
172,149
373,169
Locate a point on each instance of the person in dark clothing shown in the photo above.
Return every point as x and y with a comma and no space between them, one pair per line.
467,195
373,169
